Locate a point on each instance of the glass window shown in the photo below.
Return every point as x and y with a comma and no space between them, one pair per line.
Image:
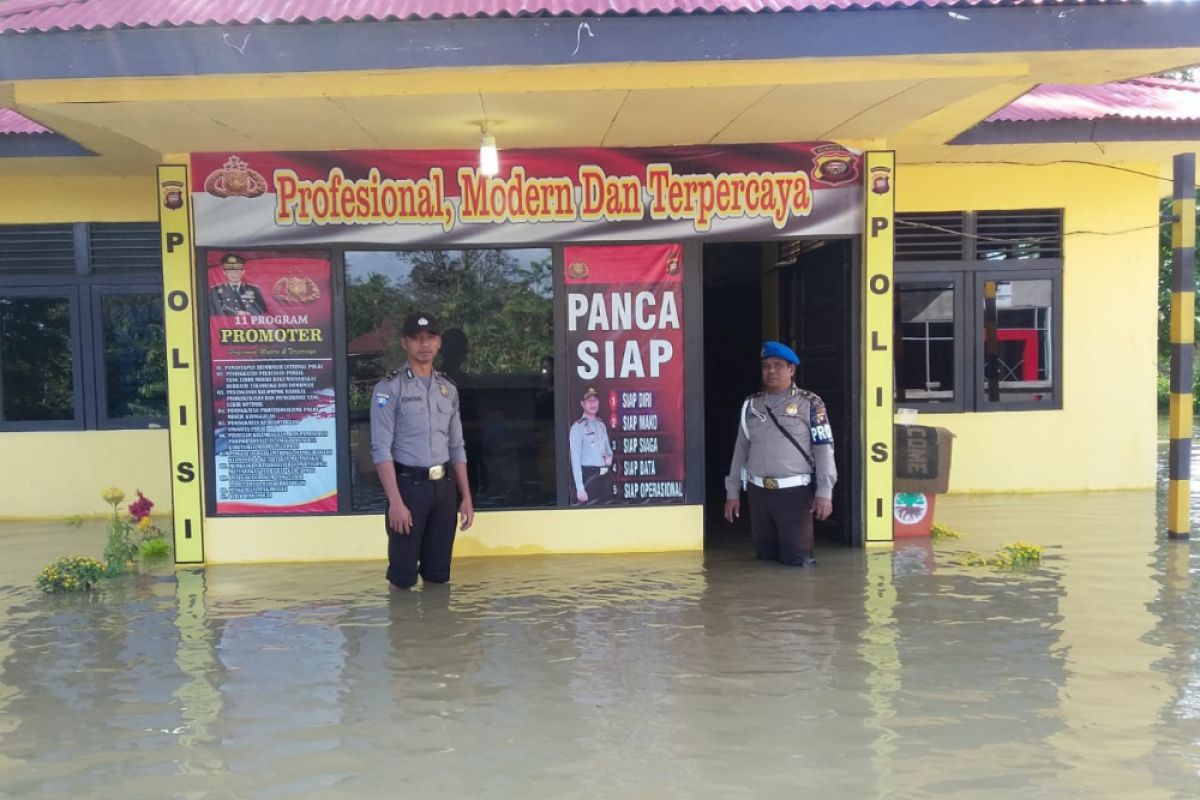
135,370
981,332
925,352
1018,352
496,309
37,370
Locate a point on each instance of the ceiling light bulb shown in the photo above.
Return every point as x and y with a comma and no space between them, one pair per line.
489,157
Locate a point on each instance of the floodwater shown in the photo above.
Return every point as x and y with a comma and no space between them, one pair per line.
880,674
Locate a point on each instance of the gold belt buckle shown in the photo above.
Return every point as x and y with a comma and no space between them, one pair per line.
437,473
770,483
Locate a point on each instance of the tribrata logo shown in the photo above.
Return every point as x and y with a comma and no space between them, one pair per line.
910,508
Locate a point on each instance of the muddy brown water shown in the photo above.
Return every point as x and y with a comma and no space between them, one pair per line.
880,674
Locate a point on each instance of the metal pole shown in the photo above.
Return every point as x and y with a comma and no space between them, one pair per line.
1183,325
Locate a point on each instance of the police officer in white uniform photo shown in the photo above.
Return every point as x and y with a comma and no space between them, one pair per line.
591,453
417,447
783,458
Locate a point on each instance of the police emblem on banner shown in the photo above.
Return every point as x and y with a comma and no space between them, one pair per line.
834,164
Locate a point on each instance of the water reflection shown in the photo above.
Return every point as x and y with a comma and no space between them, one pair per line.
883,673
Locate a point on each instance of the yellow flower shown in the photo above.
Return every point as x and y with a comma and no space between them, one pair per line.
113,496
144,523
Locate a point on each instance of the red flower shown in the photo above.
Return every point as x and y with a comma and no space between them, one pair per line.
140,509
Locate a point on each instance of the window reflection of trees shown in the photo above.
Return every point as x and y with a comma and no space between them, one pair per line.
496,309
35,356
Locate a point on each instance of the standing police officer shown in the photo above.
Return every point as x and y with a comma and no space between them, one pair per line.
417,445
784,460
591,453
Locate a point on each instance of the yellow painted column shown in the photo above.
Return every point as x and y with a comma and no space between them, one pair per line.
877,376
1183,335
183,377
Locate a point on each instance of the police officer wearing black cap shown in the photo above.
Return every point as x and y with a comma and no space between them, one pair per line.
784,460
417,447
591,453
235,296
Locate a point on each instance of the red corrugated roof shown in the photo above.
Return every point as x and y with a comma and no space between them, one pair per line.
1139,98
12,122
48,15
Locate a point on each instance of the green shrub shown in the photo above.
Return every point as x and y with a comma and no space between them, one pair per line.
71,574
151,549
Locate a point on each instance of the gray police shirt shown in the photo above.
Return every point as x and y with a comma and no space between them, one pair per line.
763,451
416,424
589,446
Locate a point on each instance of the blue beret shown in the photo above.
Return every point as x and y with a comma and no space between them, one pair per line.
780,350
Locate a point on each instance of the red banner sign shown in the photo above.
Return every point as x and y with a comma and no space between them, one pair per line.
420,197
270,335
625,383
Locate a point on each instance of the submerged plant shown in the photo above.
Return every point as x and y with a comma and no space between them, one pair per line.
943,532
970,559
1010,556
1017,554
71,574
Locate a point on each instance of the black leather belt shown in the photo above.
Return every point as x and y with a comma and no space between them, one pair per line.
434,473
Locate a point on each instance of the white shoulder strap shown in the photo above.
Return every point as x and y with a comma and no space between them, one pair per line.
745,428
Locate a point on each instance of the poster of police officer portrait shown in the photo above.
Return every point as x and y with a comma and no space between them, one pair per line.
625,398
271,358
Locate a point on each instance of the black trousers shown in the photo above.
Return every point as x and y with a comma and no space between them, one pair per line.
782,523
597,486
426,550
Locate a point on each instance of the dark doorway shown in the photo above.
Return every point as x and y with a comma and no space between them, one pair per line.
732,338
816,320
805,290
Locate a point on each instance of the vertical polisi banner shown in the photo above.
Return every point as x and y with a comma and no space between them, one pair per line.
183,380
878,288
1183,334
625,374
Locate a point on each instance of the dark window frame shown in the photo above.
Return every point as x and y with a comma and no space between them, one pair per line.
71,295
962,288
970,273
86,285
98,293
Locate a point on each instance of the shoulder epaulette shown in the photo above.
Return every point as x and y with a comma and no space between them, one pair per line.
809,396
441,376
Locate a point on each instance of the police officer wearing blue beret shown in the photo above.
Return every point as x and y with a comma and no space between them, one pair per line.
417,447
783,458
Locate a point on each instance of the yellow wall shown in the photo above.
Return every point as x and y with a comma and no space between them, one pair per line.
26,201
601,530
61,473
1104,436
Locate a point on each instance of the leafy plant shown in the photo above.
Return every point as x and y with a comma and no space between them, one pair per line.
152,549
71,574
1010,556
127,535
943,532
1018,554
